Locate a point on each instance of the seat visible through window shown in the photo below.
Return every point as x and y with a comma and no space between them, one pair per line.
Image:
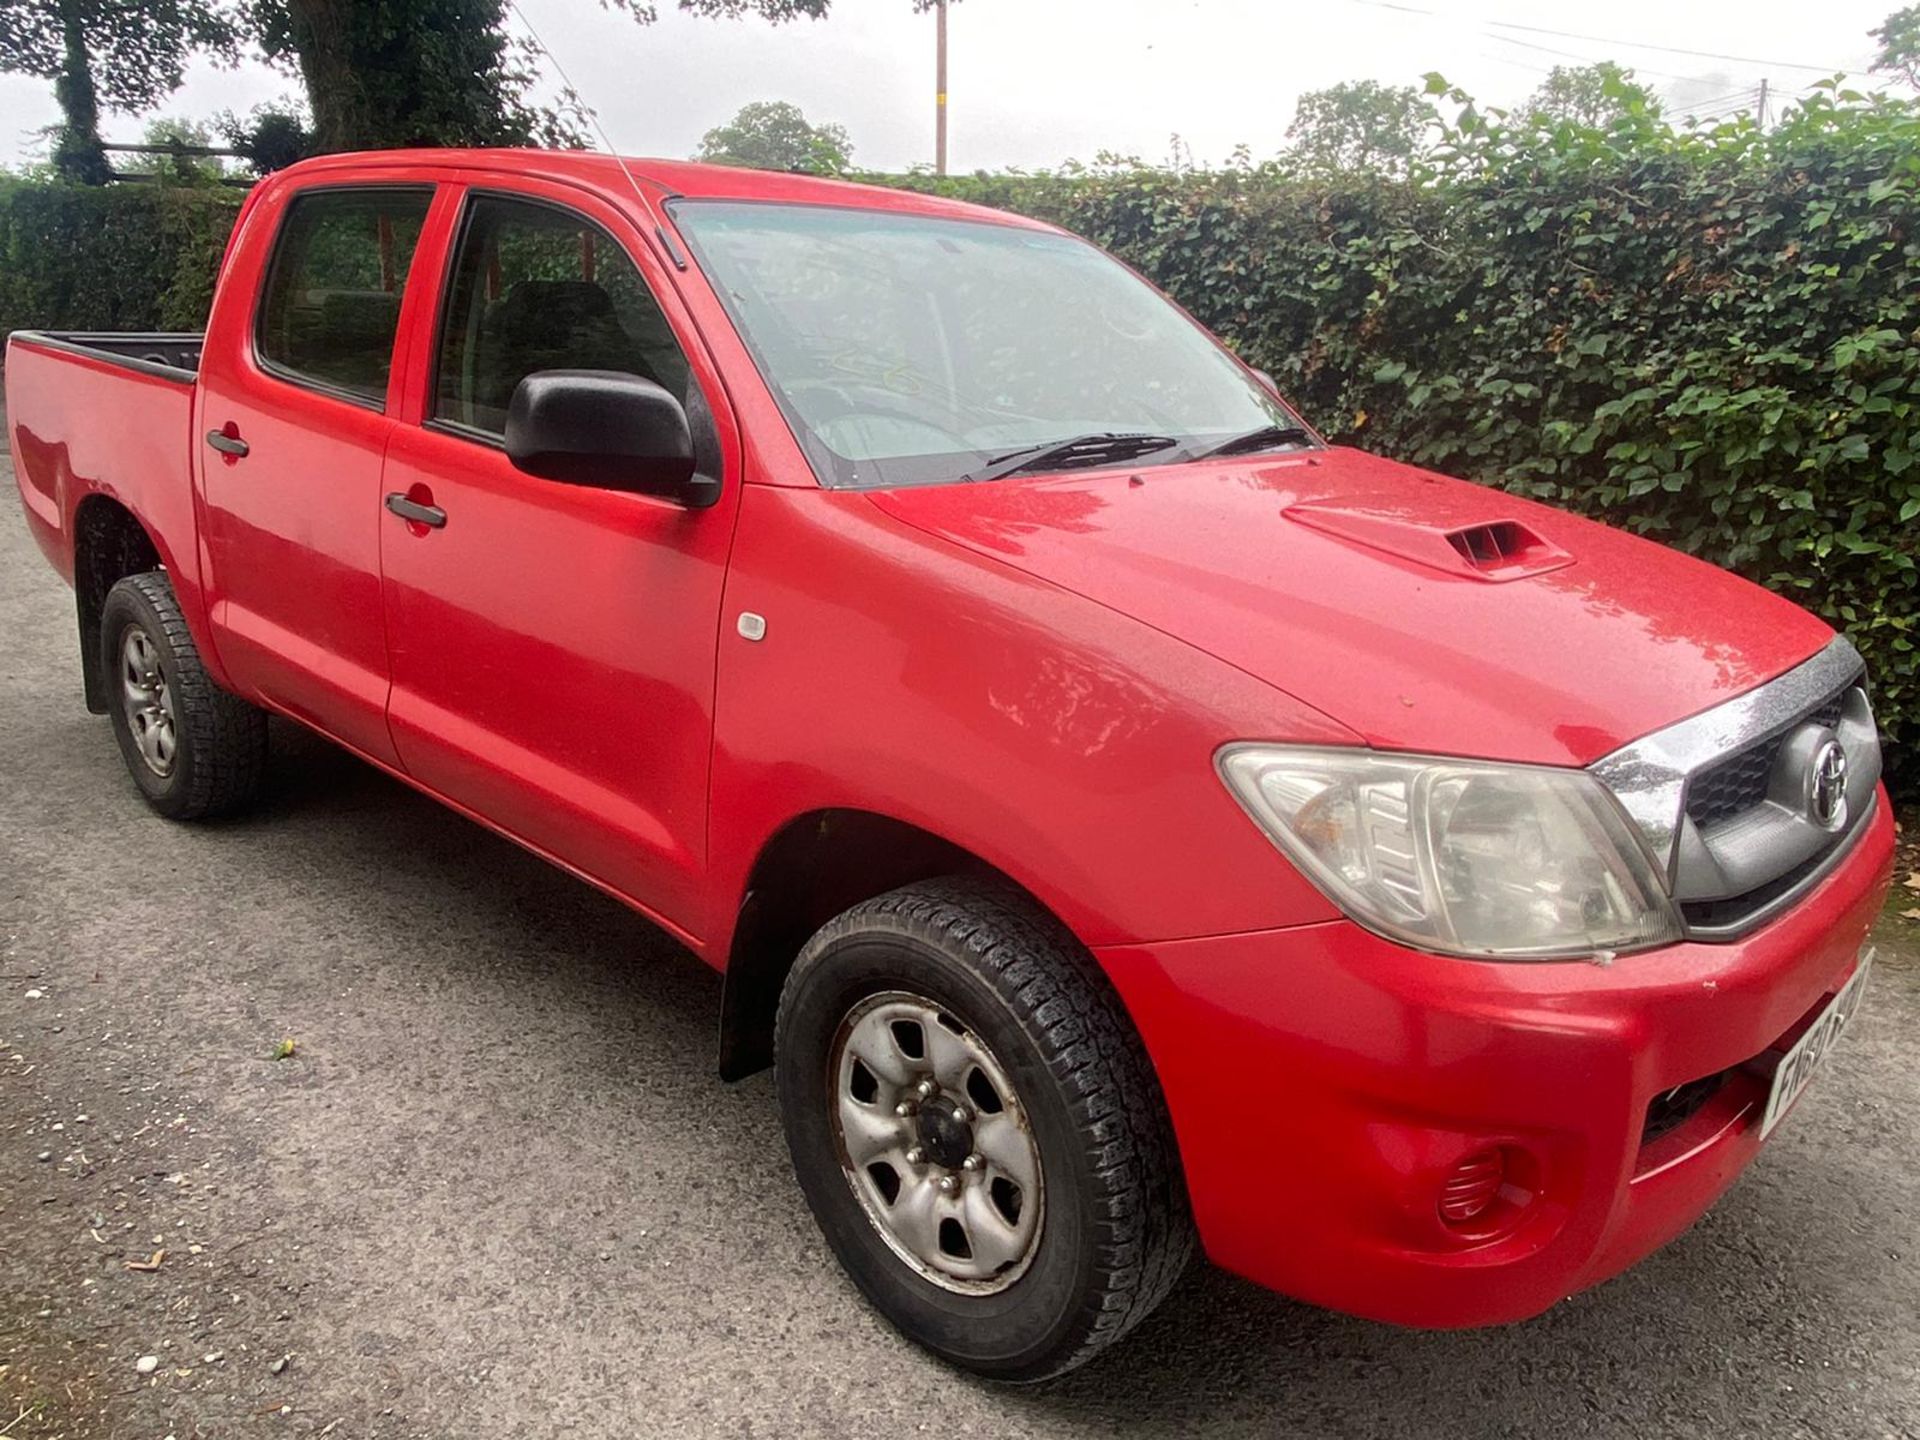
551,325
332,303
536,288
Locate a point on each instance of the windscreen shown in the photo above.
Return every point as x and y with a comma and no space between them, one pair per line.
910,350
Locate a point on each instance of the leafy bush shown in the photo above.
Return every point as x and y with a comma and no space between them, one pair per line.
1709,337
1712,338
109,258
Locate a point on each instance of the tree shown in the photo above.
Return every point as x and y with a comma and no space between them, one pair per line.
1359,125
1899,41
1593,96
177,169
107,54
381,73
270,137
384,73
442,72
773,135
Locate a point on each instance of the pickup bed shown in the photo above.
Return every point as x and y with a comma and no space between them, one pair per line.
1123,819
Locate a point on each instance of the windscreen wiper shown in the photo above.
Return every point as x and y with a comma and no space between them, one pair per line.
1080,453
1265,438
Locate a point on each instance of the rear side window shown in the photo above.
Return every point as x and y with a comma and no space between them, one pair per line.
332,302
538,288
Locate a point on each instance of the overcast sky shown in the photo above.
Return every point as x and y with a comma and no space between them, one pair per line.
1037,82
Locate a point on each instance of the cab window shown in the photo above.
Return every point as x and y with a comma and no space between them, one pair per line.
538,288
331,306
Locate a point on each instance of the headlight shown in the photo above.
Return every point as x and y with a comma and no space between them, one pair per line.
1459,856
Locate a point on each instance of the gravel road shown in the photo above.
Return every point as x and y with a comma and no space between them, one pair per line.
496,1189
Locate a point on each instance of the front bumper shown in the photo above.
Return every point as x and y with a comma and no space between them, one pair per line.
1323,1083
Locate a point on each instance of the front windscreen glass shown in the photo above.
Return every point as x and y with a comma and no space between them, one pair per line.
911,350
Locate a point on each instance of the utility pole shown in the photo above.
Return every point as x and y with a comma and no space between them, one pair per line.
940,93
1760,109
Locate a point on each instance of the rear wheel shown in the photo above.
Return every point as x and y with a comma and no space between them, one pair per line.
978,1129
194,750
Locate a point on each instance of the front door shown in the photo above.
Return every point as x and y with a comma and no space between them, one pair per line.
553,644
293,421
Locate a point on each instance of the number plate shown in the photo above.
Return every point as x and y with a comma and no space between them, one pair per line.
1800,1064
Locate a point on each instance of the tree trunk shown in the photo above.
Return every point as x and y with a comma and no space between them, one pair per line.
77,154
322,38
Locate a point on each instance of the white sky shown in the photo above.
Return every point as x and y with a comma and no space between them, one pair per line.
1036,82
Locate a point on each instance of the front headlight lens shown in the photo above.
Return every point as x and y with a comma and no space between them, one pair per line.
1459,856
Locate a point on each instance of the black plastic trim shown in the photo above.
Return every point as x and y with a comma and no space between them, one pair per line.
94,345
1739,915
674,252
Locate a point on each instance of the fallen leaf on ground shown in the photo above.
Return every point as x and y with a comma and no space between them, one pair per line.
151,1263
1913,914
286,1049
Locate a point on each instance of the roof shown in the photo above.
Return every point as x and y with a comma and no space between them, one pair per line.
658,179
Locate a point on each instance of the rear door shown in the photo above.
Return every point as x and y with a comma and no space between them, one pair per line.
553,644
293,420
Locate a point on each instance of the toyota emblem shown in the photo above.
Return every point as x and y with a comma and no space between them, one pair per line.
1827,786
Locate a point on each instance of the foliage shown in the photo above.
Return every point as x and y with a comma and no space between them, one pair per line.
269,137
1591,95
1359,125
1709,337
773,135
123,257
1899,41
116,54
177,168
385,73
381,73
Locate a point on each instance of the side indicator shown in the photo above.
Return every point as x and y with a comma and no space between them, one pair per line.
752,626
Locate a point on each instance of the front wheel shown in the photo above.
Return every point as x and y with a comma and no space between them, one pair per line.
978,1129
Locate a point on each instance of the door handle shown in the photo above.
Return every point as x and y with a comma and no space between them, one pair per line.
229,445
431,516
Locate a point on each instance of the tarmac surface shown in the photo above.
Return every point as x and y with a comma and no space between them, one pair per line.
497,1190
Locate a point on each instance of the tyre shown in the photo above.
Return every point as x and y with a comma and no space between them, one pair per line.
194,750
978,1129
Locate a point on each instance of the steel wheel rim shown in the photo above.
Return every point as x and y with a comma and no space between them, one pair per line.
935,1144
146,699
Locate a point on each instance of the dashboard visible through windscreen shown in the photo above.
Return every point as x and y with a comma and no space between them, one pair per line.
910,349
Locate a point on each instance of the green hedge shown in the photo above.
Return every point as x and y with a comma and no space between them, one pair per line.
1713,339
113,258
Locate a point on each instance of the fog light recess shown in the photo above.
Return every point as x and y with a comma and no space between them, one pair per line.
1487,1191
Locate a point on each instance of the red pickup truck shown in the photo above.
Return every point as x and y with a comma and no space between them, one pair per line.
1122,818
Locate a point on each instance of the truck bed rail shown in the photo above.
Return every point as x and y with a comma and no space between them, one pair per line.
173,356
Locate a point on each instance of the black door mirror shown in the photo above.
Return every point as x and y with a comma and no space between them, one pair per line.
606,429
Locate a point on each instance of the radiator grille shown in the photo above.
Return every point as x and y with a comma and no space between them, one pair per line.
1736,784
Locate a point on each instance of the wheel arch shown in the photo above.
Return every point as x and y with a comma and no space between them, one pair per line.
812,868
109,544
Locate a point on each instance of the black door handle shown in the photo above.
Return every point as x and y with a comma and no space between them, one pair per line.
229,444
431,516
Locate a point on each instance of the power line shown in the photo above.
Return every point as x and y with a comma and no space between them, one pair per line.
1724,111
1610,40
1743,96
1668,49
1585,59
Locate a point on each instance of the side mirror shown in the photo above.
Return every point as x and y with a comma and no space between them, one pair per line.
606,429
1268,381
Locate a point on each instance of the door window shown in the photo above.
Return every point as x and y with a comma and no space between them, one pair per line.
539,288
332,301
